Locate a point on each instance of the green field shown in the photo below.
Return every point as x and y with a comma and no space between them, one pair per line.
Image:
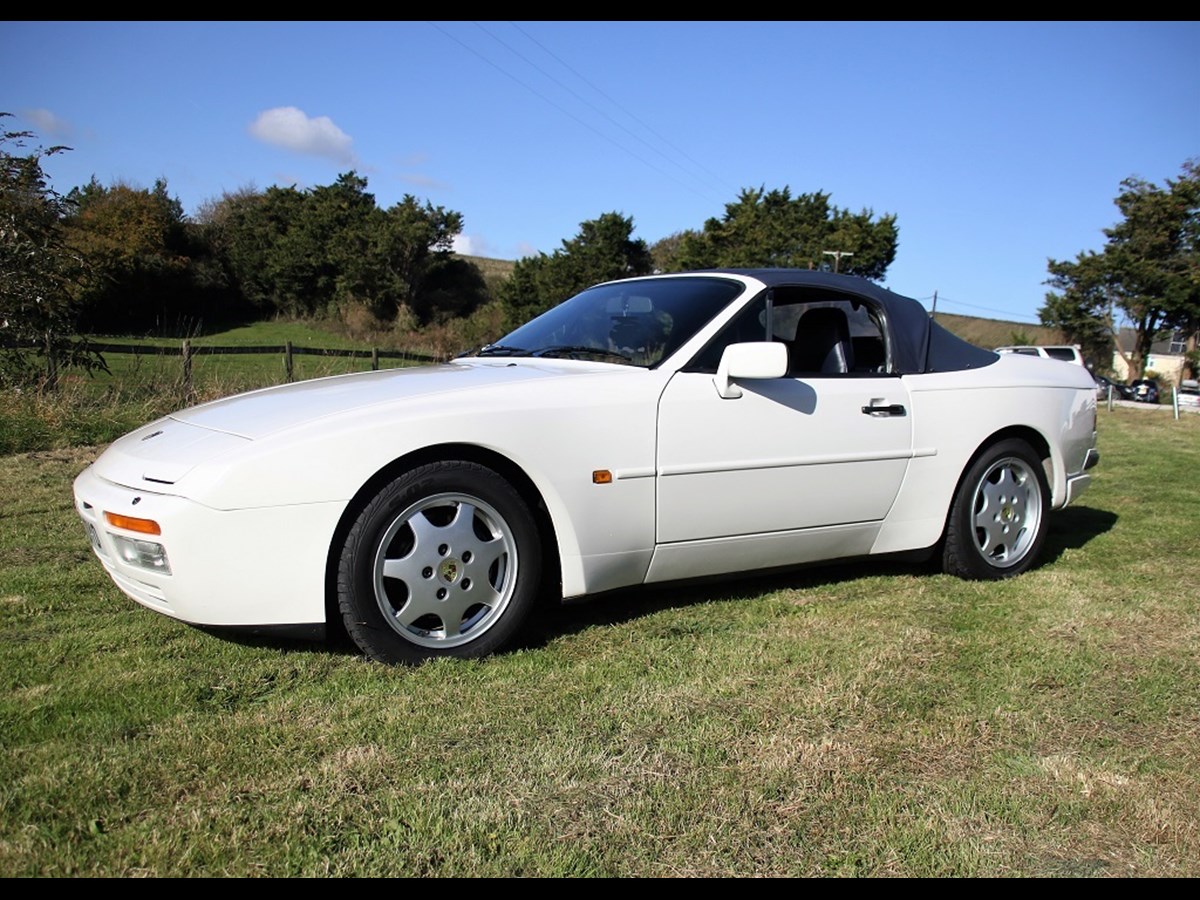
101,406
211,371
858,720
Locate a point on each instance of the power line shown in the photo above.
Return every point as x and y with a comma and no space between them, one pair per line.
581,98
567,112
1003,312
718,179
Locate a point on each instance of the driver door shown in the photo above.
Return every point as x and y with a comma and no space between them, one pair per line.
798,467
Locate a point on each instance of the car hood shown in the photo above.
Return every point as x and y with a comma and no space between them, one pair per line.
260,413
161,453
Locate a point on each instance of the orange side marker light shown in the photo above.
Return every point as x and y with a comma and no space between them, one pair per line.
129,523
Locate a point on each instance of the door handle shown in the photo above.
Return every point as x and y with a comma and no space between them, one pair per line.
879,408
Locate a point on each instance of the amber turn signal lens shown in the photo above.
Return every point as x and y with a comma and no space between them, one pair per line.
602,476
129,523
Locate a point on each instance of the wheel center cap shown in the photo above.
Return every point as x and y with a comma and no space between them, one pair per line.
449,570
1007,514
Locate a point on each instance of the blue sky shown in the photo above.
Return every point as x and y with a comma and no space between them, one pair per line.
996,144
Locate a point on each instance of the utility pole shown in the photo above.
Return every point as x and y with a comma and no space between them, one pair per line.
933,312
837,257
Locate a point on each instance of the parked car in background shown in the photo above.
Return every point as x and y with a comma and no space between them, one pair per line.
1189,393
1064,352
1145,390
1119,391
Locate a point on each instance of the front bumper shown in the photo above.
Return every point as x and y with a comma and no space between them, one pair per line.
240,568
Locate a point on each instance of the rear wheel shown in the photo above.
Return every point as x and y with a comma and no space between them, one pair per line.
444,561
998,518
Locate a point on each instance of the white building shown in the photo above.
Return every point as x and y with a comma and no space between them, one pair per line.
1165,359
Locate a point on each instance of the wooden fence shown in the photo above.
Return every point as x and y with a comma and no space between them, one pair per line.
186,350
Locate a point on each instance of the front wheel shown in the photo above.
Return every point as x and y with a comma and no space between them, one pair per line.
998,518
444,561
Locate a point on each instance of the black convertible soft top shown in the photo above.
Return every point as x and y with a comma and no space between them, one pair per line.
919,344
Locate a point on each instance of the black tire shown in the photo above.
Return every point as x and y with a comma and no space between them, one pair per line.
444,561
998,518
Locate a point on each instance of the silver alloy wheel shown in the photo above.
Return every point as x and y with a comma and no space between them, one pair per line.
445,570
1007,511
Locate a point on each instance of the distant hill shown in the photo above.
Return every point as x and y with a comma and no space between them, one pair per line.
491,268
988,333
992,333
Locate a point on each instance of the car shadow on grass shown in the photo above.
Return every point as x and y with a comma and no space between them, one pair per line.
1069,529
555,620
626,605
1072,528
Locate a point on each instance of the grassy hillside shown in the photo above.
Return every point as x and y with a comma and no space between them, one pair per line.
992,333
491,268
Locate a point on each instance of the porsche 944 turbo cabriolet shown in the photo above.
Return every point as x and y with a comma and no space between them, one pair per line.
646,430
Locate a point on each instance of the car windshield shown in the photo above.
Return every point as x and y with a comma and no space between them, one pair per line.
635,322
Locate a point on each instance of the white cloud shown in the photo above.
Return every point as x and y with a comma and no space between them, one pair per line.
47,123
292,129
471,245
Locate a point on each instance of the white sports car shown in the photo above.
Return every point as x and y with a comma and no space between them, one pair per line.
646,430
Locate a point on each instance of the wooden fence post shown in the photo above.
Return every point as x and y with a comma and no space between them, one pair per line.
51,363
287,360
188,393
374,359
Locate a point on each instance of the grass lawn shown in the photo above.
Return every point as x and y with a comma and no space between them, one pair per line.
855,720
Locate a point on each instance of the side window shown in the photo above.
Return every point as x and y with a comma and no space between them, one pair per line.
832,337
824,337
749,325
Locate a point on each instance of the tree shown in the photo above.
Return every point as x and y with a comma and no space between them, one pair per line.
603,250
38,270
1146,278
1020,338
327,237
136,241
412,242
665,251
528,292
451,288
245,229
773,228
312,252
1074,312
